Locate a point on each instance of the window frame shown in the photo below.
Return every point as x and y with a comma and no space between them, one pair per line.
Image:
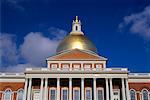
18,92
76,88
142,93
87,66
76,64
11,98
51,64
119,93
100,88
134,92
35,90
100,67
88,88
52,88
65,68
64,88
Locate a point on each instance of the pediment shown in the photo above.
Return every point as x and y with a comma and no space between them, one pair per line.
76,54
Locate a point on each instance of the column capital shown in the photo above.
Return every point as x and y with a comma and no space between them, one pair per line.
106,79
82,78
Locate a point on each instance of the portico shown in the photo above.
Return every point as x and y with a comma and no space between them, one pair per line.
100,85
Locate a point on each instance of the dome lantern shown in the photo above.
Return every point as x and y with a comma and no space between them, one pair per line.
76,26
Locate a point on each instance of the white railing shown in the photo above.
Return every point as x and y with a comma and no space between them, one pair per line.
11,74
78,69
139,74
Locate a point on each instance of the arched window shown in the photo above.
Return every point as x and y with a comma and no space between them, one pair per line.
20,94
145,95
8,94
76,28
133,94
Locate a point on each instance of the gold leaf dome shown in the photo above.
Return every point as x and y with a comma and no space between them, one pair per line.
76,40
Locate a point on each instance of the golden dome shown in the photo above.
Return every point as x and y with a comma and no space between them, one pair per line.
76,40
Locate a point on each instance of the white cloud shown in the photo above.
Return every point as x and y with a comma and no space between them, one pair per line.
138,23
58,33
34,50
8,50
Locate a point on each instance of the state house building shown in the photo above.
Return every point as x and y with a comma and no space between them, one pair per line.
75,72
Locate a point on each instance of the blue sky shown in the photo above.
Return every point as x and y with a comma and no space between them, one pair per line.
32,29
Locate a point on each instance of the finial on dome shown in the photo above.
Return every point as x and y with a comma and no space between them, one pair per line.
76,19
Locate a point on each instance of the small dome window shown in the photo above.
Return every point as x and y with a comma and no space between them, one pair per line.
76,28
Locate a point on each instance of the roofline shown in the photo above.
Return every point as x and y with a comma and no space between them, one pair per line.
85,51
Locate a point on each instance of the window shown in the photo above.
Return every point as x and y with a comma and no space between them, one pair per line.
76,66
64,93
116,94
54,66
98,66
100,94
36,95
133,94
20,94
76,28
87,66
145,94
65,66
52,93
88,93
76,93
7,94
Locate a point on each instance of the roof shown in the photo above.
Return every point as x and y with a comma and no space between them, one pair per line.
76,54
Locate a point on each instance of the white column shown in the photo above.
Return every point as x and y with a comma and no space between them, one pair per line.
29,89
111,89
82,88
41,89
70,88
123,89
127,90
94,86
58,88
107,89
25,89
45,90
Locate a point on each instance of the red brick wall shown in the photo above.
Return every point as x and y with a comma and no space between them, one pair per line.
11,85
138,87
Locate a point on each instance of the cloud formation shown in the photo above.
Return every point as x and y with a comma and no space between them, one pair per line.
36,48
33,51
8,50
138,23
